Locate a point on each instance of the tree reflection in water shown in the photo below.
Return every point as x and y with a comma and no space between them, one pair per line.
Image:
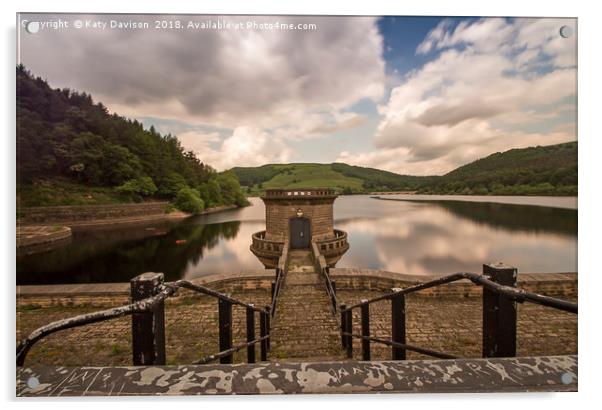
119,255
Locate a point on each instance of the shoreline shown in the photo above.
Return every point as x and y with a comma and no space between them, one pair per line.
562,202
33,236
78,221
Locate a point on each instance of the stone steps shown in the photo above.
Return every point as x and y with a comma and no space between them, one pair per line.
304,325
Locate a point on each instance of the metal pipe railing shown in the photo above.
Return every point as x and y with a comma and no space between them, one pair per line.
230,352
499,313
141,306
210,292
322,267
404,346
280,271
517,294
148,328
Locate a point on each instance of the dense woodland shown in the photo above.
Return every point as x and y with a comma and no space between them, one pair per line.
542,170
71,150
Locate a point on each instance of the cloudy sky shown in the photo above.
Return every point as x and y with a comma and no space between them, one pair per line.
413,95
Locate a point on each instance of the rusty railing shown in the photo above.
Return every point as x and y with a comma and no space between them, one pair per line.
280,270
500,296
148,293
323,269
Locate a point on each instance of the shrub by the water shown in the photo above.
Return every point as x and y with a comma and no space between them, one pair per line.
189,200
141,186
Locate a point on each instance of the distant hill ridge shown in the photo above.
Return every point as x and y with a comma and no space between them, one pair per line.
541,170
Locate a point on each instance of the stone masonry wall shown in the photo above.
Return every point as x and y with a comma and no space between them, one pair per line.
562,285
46,214
319,212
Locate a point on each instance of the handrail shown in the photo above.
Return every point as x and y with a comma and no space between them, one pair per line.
142,306
210,292
322,267
422,350
499,313
519,295
89,318
280,270
331,291
277,286
225,353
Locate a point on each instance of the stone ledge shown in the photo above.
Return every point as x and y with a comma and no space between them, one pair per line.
32,235
522,277
123,288
102,216
562,285
520,374
378,280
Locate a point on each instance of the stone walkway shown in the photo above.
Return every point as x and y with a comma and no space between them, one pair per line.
304,321
451,325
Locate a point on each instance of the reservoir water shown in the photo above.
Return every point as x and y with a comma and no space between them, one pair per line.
419,235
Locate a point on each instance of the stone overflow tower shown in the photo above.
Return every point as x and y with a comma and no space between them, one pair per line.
295,218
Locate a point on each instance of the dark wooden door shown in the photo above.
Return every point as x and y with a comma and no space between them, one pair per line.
300,233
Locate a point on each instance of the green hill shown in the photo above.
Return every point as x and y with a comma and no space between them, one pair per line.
342,177
547,170
541,170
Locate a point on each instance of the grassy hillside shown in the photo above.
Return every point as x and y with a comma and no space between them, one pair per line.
378,180
342,177
547,170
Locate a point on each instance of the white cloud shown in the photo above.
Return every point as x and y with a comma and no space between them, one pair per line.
220,78
247,146
458,107
268,87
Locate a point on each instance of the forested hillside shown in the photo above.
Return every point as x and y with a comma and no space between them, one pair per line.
542,170
70,150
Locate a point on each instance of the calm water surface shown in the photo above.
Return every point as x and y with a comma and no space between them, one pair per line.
423,235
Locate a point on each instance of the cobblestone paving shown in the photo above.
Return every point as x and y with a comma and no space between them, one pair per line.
304,326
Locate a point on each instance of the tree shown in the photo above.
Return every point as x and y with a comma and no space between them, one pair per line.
64,133
140,186
231,192
103,163
204,193
171,184
215,193
189,200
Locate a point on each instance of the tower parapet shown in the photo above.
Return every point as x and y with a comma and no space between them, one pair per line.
298,217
